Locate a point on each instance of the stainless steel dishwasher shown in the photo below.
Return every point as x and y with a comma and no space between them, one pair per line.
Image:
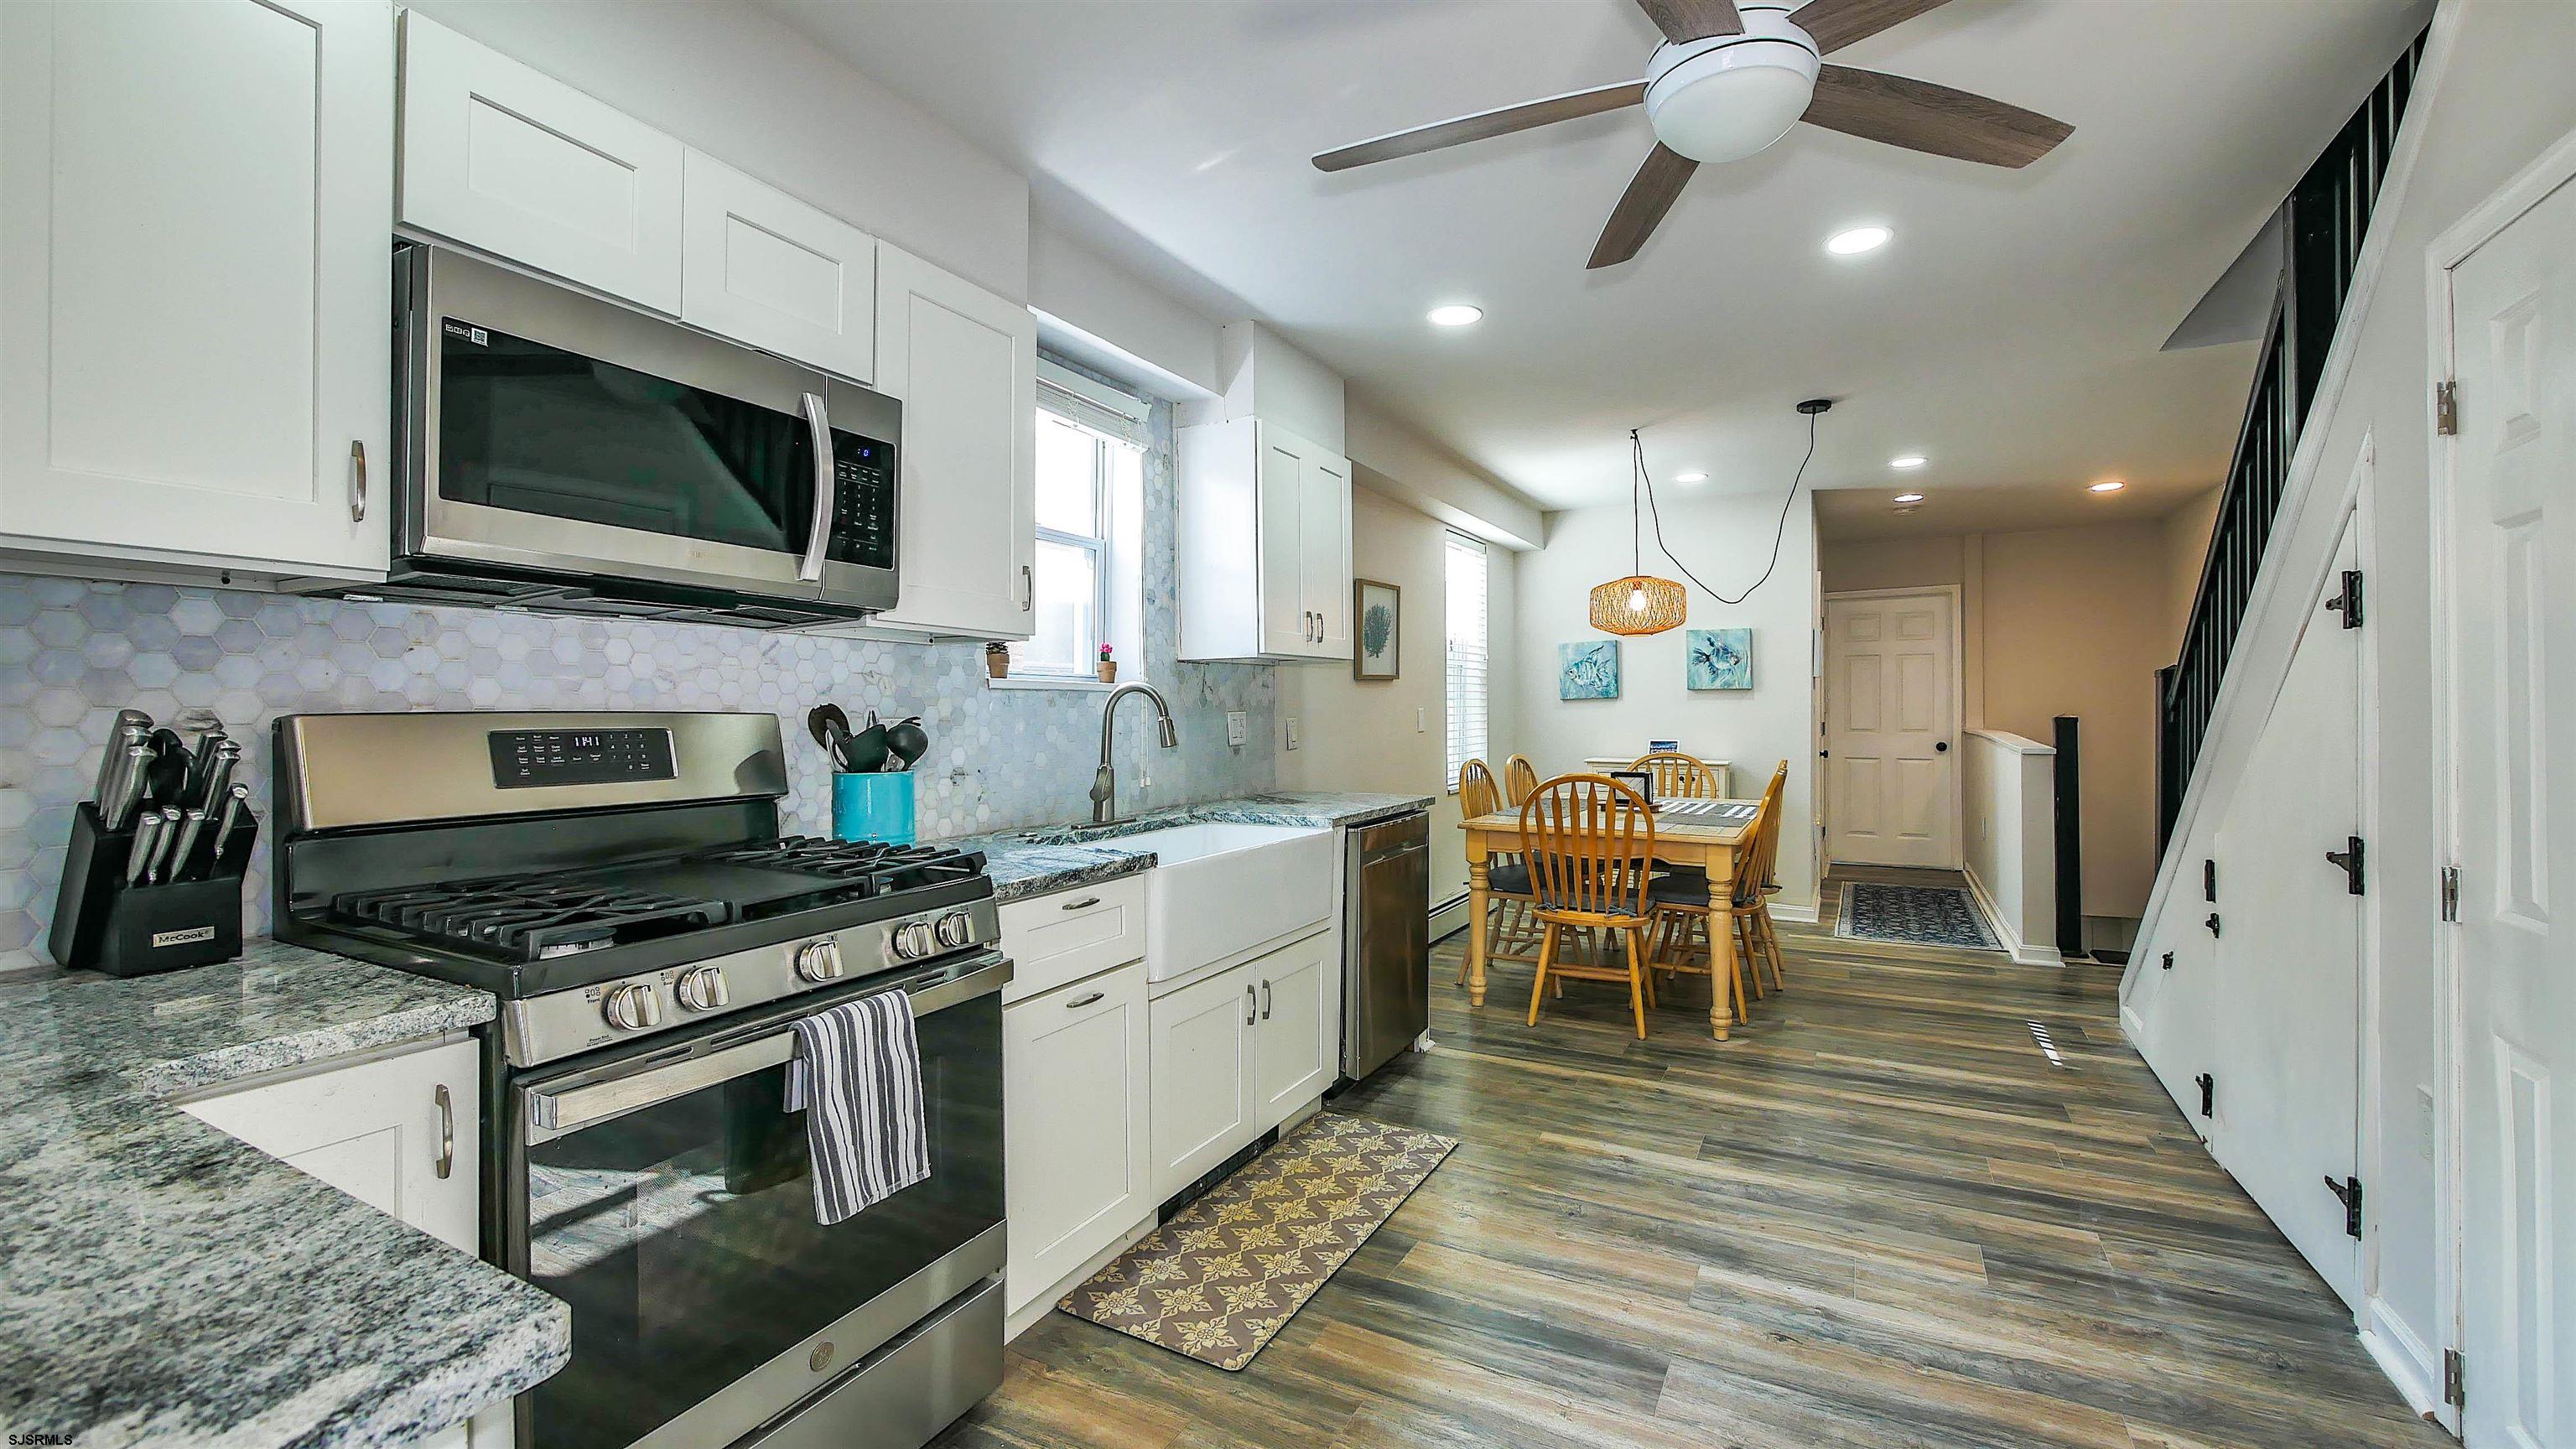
1386,934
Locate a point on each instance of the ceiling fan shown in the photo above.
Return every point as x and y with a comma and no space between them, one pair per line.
1731,77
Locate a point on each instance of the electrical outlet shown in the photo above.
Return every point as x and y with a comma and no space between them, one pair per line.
1294,737
1238,727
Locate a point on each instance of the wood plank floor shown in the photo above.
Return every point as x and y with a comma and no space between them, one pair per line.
1927,1198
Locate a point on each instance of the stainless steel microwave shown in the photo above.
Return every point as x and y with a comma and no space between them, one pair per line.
563,453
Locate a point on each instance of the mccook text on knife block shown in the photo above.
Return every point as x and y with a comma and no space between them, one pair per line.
103,923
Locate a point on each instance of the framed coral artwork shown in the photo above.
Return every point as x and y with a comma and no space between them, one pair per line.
1379,610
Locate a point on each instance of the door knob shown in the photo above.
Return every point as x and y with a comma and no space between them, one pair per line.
1942,746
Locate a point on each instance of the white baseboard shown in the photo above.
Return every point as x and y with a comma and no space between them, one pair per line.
1021,1319
1806,915
2022,951
2402,1355
1448,918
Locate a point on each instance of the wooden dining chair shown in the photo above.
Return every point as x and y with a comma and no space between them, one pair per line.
1587,839
1685,914
1677,776
1512,931
1520,780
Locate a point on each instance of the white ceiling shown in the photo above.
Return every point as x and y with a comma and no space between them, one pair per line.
2010,332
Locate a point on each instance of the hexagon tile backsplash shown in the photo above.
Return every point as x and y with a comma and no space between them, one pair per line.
72,653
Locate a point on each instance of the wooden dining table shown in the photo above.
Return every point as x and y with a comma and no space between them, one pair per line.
1680,839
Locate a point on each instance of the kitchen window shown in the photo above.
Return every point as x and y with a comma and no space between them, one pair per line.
1087,583
1468,652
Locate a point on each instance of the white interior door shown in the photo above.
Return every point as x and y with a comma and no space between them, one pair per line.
2511,647
2288,1062
1891,716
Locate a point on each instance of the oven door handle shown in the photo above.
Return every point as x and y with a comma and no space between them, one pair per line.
552,1114
818,539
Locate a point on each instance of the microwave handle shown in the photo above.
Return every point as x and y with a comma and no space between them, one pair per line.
818,538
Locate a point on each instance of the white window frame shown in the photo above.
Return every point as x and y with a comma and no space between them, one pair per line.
1454,666
1112,420
1096,544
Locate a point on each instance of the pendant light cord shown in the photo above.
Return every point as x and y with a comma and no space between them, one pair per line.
1779,531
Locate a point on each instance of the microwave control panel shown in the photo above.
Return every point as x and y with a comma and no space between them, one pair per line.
863,496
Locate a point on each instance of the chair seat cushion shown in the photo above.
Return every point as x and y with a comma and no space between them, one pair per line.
1678,889
1508,880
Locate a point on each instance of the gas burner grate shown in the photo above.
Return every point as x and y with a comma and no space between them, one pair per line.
532,920
876,867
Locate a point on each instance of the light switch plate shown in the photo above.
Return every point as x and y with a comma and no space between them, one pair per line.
1421,720
1294,738
1237,727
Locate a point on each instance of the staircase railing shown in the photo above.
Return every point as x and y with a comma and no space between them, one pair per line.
2323,222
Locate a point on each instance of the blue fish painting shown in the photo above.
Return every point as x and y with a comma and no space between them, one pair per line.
1589,670
1721,659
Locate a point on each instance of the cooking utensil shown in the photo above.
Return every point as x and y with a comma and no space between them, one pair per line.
146,845
908,740
129,722
865,751
822,719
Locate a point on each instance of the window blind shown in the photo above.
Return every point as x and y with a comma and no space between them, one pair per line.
1102,409
1467,653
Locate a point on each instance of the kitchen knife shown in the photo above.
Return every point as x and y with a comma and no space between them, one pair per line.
116,810
147,843
183,850
133,720
219,778
165,861
201,768
169,769
229,812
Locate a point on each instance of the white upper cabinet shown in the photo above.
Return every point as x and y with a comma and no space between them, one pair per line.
1265,544
193,219
762,267
964,362
516,163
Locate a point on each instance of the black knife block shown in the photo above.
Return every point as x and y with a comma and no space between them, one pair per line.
103,924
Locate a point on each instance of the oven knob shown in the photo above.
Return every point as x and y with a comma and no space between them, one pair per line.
918,940
632,1008
702,988
819,960
955,929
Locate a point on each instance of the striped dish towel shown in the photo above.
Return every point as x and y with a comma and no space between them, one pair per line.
857,1077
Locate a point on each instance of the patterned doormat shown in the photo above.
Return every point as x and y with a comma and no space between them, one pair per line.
1914,915
1220,1280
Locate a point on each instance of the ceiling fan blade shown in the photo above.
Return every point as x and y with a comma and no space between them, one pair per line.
1642,206
1683,21
1483,124
1921,116
1837,23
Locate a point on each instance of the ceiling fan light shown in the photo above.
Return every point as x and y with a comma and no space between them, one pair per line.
1728,96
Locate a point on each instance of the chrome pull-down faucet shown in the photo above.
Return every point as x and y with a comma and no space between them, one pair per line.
1104,783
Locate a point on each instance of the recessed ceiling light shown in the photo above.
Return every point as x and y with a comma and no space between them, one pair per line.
1857,240
1909,461
1456,314
1909,497
1690,477
2109,485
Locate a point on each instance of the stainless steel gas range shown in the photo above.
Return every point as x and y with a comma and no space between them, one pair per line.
620,882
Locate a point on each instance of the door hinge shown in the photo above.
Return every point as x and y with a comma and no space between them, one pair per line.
2450,893
2446,407
2348,603
2348,1192
2350,859
2455,1378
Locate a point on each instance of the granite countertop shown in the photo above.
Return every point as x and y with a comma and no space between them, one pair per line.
165,1283
1051,858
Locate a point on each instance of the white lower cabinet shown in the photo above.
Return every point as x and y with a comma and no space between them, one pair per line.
1075,1139
398,1134
1236,1053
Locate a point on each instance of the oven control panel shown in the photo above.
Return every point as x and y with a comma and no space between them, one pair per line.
522,759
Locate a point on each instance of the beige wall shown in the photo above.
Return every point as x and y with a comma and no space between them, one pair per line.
1393,735
2065,621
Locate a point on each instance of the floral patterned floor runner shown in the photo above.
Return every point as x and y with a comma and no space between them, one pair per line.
1220,1280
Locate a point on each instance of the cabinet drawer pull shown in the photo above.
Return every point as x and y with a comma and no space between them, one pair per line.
357,480
1251,1003
1265,1001
1086,903
446,1131
1085,999
1028,589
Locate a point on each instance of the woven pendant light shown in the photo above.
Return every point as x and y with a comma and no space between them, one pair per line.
1639,603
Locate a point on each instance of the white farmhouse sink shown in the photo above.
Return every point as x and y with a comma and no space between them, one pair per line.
1219,891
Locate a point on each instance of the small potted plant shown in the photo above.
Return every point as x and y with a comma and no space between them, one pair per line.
1108,666
997,660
